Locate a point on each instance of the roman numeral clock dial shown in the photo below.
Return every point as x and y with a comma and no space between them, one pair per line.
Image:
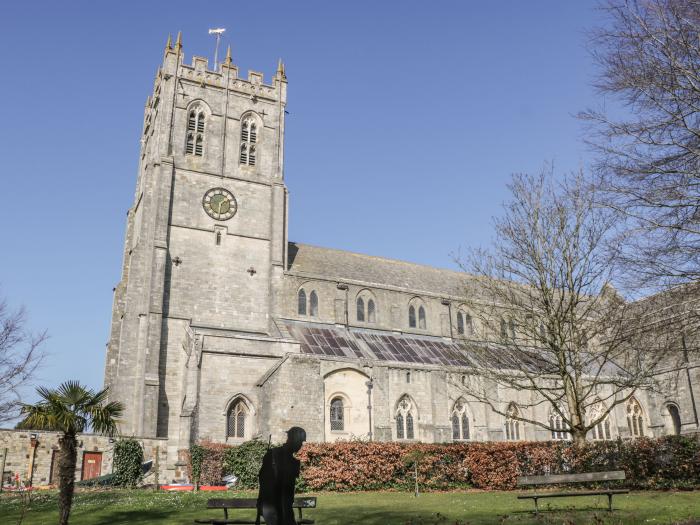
219,204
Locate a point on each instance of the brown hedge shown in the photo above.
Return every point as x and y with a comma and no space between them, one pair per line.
667,462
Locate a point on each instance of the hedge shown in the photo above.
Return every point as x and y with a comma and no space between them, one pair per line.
668,462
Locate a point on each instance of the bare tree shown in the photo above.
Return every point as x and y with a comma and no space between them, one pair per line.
648,159
553,330
20,356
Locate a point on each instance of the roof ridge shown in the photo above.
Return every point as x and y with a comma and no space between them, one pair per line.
386,259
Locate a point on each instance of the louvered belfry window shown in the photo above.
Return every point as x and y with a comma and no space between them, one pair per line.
195,133
249,139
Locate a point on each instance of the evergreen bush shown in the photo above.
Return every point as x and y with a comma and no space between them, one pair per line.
244,461
128,457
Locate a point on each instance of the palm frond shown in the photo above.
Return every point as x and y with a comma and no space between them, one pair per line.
72,408
105,417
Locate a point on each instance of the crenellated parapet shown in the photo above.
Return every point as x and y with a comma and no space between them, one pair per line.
227,75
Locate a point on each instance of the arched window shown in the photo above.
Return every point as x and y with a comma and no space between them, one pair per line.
601,431
301,308
635,418
464,323
236,420
421,318
313,304
412,316
249,139
512,424
558,427
360,309
504,329
675,418
511,328
337,416
460,422
404,419
468,325
408,377
371,312
195,132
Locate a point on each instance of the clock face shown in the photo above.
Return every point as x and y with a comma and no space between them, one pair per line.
220,204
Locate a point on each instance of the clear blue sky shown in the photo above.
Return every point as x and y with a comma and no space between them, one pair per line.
406,121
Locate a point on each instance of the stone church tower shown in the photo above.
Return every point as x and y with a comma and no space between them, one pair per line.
205,239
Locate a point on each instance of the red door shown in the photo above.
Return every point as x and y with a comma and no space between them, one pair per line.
92,465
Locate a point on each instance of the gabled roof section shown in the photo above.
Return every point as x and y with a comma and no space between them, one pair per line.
312,261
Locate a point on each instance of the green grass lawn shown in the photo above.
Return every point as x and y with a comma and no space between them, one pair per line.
371,508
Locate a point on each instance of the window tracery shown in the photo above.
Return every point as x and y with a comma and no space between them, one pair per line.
558,426
602,430
512,424
236,420
460,421
635,418
404,419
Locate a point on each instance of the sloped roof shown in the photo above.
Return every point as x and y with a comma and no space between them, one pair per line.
340,265
376,345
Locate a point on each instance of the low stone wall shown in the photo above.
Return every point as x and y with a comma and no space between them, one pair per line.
32,458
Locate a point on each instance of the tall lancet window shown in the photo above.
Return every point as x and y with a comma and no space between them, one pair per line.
195,132
404,419
249,139
301,309
512,424
635,418
236,420
313,304
460,421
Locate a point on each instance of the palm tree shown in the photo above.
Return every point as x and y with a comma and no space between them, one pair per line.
71,409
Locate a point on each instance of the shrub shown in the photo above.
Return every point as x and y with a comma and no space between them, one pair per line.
128,457
245,461
668,462
195,458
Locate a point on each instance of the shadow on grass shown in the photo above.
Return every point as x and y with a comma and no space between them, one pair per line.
140,516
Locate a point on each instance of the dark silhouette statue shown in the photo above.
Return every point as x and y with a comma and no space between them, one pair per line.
278,476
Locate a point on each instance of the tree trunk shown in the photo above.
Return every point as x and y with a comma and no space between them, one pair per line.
66,477
578,437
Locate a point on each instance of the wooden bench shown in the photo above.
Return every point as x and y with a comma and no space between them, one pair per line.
251,503
556,479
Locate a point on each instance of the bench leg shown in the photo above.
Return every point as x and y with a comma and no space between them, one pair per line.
610,502
536,508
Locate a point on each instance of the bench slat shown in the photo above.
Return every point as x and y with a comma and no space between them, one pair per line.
553,479
251,503
572,494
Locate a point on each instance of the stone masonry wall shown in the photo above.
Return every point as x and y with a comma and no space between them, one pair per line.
17,448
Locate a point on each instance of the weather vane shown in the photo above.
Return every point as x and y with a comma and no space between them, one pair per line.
218,32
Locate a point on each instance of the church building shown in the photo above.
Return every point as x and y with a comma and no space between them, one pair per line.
225,330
